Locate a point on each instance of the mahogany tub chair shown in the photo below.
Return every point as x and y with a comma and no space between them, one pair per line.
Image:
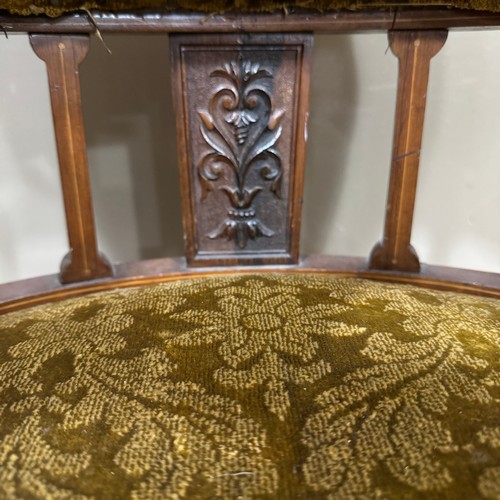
245,370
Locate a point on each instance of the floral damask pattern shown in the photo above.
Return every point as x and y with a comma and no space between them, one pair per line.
112,423
392,412
270,386
266,338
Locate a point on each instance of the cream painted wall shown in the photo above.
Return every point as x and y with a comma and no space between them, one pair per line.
130,125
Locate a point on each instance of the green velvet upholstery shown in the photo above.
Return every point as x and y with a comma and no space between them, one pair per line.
58,7
252,386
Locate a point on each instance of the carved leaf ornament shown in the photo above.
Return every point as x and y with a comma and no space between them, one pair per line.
241,128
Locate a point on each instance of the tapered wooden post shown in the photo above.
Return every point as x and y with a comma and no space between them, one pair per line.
62,55
414,50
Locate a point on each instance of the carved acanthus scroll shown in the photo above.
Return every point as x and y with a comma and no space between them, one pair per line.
241,127
241,104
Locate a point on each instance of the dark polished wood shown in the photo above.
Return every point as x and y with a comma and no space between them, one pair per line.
63,55
241,106
292,20
35,291
414,49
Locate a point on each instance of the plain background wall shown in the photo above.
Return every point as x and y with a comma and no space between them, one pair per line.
130,135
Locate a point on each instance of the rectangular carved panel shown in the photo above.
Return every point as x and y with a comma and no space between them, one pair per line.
241,107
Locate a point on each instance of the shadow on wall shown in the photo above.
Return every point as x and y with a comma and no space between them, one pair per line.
131,139
330,133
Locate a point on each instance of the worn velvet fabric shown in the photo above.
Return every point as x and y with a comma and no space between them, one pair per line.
252,386
58,7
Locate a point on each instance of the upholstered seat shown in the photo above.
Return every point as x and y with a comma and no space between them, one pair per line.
294,379
252,386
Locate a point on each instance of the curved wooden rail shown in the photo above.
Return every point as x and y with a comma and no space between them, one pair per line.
292,20
36,291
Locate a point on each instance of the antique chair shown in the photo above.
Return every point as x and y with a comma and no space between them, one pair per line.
246,370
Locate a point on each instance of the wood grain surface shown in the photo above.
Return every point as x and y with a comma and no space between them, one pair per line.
414,49
63,55
241,104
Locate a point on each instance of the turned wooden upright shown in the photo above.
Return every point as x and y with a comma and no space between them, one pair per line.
414,49
63,55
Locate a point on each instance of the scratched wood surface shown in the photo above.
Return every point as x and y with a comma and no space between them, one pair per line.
414,49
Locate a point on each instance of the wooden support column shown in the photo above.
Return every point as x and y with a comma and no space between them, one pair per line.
63,55
414,49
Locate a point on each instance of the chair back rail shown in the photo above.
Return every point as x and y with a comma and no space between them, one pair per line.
241,107
231,22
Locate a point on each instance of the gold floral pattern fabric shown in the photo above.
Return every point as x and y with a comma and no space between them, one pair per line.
252,386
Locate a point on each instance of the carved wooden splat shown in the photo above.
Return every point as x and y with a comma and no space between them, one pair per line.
241,107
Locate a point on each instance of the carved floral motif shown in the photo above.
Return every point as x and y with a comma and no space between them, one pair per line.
241,127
